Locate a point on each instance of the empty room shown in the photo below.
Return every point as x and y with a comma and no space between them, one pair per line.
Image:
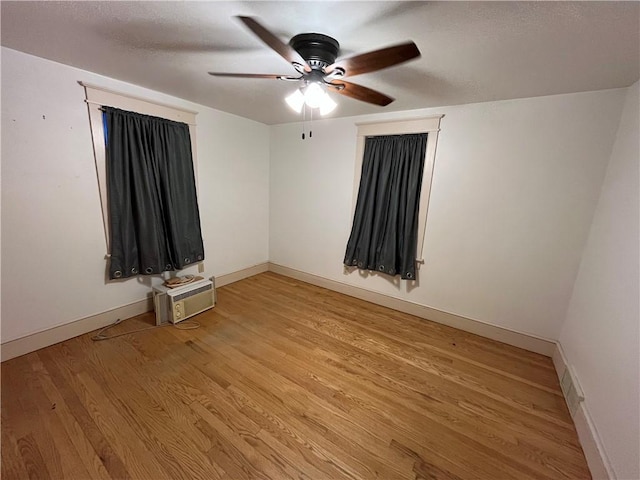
320,240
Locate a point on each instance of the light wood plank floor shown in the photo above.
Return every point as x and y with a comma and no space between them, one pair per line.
287,380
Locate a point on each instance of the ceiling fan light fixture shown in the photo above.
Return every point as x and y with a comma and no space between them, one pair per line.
314,96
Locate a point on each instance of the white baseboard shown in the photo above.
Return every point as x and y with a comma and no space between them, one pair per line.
592,447
517,339
36,341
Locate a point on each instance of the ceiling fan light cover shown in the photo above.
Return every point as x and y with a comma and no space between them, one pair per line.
295,100
314,95
328,105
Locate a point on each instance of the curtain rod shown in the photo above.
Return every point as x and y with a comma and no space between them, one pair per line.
102,110
401,120
135,97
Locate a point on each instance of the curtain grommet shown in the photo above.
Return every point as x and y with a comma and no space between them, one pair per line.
409,275
199,257
117,274
381,268
187,260
167,266
134,270
148,270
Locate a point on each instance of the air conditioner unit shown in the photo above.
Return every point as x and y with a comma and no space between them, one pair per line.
177,304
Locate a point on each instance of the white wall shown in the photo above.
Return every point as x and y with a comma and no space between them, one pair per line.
601,335
52,235
514,190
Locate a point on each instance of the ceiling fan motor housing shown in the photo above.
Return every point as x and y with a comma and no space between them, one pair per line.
317,49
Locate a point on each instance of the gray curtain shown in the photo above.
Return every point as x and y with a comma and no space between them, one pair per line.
384,234
153,209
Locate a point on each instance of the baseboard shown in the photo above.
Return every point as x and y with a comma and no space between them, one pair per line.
45,338
222,280
592,447
30,343
36,341
517,339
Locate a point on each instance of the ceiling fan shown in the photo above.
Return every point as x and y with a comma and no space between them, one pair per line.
313,56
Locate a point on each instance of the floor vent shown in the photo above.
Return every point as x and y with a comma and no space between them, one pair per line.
571,390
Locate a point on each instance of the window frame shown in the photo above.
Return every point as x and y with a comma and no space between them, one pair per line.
429,125
96,97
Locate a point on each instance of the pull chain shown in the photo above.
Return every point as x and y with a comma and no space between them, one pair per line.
304,119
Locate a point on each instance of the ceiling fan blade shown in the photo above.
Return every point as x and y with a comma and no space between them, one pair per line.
272,41
376,60
247,75
364,94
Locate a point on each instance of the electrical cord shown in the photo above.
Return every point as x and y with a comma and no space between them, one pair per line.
186,325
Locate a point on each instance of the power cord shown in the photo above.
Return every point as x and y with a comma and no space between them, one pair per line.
186,325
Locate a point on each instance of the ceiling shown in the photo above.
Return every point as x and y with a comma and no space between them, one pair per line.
471,51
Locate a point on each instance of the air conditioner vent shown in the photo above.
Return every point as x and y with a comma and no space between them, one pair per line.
191,293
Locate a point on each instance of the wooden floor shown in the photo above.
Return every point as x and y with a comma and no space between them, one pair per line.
287,380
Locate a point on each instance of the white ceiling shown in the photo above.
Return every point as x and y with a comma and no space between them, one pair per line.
471,51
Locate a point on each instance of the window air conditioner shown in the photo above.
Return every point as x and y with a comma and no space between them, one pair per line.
177,304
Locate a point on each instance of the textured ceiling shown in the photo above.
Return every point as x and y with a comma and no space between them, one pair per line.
471,51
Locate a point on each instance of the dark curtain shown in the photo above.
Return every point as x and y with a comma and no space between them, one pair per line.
384,234
153,209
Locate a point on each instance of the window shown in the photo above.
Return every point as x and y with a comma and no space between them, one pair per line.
394,169
165,138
